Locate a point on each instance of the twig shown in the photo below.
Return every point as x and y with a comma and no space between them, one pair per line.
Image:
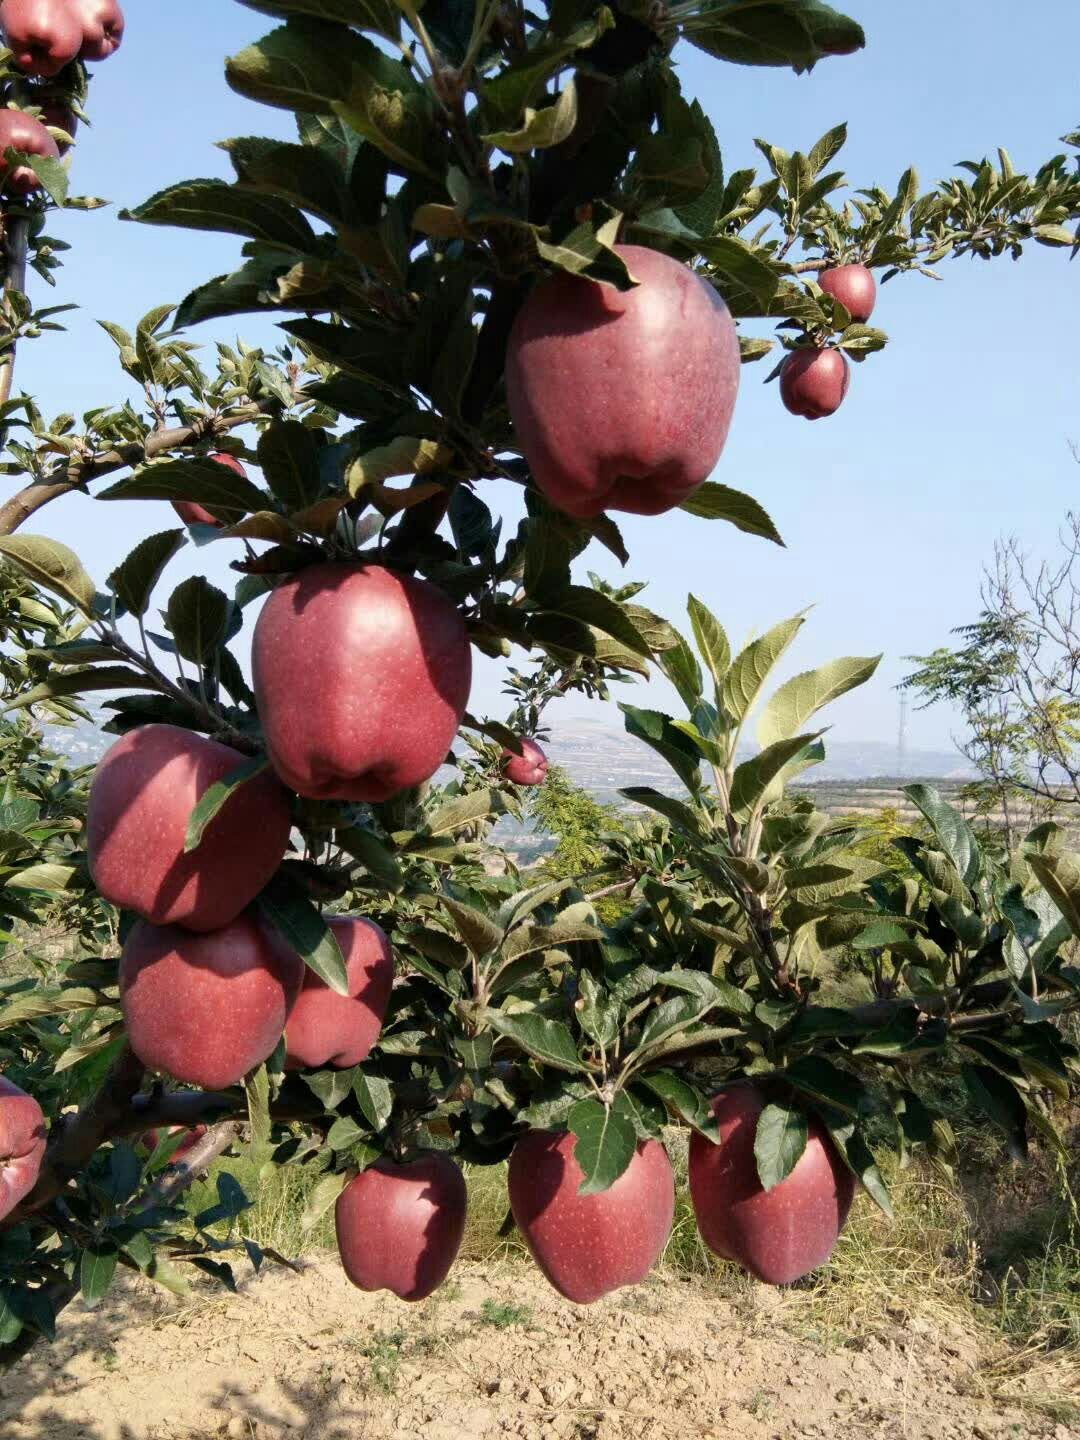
16,249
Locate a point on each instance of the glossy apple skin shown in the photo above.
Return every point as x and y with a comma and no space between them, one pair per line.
622,400
102,23
26,133
399,1227
361,679
206,1009
813,382
528,768
778,1234
589,1245
191,512
339,1030
45,35
141,799
22,1145
854,286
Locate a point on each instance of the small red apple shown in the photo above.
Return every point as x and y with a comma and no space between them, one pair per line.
361,679
141,799
45,35
191,512
528,768
102,23
813,382
330,1029
778,1234
588,1245
622,400
399,1227
206,1009
854,286
26,133
22,1145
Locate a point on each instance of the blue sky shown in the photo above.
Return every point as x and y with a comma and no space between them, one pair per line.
956,434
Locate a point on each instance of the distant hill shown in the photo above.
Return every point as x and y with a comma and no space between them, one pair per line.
604,759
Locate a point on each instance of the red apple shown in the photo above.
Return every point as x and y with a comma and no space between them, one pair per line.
588,1245
622,400
191,512
25,133
528,768
330,1029
45,35
361,679
778,1234
854,286
813,382
141,799
206,1009
22,1145
399,1227
102,23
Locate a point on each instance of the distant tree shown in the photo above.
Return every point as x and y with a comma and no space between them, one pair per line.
1016,681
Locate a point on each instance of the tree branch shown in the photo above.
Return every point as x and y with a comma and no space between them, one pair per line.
16,250
79,472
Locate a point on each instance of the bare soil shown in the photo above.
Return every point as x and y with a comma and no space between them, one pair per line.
498,1354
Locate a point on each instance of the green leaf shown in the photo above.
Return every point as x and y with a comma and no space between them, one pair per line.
1059,874
133,581
104,677
38,1003
658,731
518,84
805,694
52,566
344,1132
779,1142
678,813
717,502
683,1099
798,33
96,1270
370,851
215,797
540,128
605,1145
465,810
381,16
753,665
735,259
711,640
600,613
325,1194
375,1098
297,921
201,480
549,1041
295,69
49,877
289,458
198,617
858,1157
330,1086
480,934
830,144
752,779
217,206
824,1082
952,830
1001,1101
257,1090
680,665
389,107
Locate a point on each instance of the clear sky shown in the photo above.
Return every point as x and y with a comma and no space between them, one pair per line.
954,435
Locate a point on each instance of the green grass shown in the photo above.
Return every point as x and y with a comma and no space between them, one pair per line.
503,1314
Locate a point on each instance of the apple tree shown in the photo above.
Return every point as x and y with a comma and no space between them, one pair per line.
487,213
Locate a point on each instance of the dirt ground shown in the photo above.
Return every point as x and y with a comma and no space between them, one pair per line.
498,1354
